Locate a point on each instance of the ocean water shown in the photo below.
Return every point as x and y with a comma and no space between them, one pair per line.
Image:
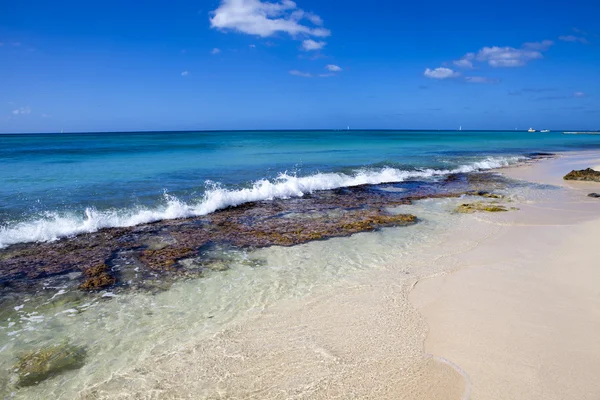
229,333
57,185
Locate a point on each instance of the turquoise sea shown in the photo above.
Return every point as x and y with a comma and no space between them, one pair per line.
56,185
216,306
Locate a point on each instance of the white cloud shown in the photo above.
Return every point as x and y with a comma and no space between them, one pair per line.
541,46
45,115
572,38
22,111
440,73
300,73
326,75
333,68
480,79
463,63
215,51
310,44
578,94
497,56
185,73
252,46
507,56
263,18
315,19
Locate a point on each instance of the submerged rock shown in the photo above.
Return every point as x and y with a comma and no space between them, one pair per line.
143,256
98,277
41,364
540,155
486,194
469,208
595,195
583,175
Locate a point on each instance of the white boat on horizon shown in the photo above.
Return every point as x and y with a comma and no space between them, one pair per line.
531,130
545,130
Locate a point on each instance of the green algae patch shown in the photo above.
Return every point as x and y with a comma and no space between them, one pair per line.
484,193
38,365
97,278
588,174
469,208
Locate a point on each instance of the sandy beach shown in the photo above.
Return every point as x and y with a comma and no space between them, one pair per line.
521,318
512,312
482,305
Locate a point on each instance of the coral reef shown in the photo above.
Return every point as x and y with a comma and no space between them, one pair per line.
44,363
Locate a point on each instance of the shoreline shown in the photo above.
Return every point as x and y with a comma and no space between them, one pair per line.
520,315
353,331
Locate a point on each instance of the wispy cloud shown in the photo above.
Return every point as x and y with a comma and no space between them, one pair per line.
575,95
302,74
215,51
264,19
440,73
463,63
560,97
481,79
309,45
185,73
541,46
573,38
252,46
531,90
506,56
14,44
538,90
22,111
333,68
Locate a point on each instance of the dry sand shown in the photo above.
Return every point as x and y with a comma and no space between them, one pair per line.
523,318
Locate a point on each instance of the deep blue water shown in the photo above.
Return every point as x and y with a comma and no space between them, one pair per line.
48,181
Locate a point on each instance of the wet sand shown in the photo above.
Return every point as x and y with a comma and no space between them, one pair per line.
522,316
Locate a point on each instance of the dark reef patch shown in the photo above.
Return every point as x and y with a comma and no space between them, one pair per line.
150,256
587,174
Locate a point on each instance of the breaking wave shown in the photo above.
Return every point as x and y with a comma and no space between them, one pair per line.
54,225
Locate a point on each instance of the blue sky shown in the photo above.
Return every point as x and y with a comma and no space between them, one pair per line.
251,64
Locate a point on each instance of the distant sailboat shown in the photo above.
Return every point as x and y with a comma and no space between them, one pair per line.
460,128
348,128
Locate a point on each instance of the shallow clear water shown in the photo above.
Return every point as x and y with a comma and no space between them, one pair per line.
133,328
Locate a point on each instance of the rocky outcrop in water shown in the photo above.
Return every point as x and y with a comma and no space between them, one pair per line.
150,256
587,174
97,278
470,208
41,364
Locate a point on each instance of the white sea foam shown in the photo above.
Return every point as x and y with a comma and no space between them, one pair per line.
52,226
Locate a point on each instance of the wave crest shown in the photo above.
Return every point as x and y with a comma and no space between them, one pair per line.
54,225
